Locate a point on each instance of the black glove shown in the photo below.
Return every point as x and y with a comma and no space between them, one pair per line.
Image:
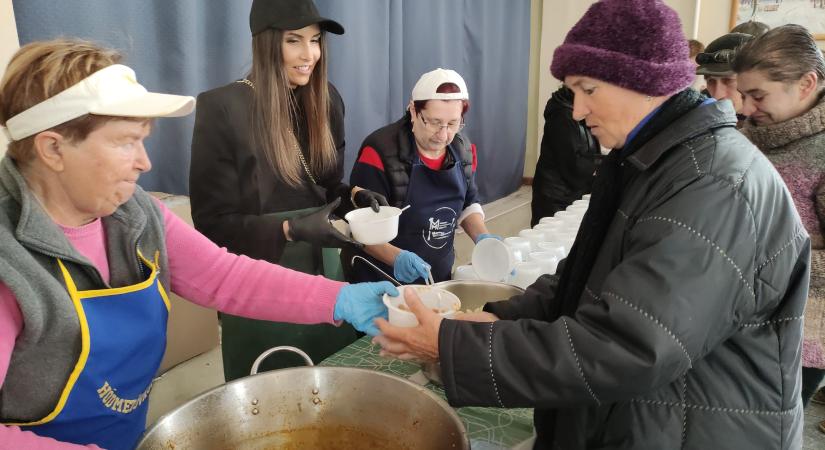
364,198
315,228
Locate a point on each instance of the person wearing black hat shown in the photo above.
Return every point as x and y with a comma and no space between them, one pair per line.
715,64
266,172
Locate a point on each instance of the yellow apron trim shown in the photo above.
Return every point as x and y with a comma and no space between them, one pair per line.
84,351
154,266
76,297
91,293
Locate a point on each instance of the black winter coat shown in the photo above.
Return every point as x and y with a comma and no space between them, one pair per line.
569,157
232,187
688,333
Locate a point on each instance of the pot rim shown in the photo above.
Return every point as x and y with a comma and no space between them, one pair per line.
451,412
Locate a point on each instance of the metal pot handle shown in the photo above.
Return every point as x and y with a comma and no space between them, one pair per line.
283,348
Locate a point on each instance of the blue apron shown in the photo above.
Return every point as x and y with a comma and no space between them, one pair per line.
428,228
123,338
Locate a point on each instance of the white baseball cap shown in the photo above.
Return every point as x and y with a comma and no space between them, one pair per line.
425,88
111,91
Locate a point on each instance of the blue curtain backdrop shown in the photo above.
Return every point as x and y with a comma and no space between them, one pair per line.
189,46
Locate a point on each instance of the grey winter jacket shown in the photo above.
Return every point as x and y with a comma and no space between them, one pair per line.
688,333
30,243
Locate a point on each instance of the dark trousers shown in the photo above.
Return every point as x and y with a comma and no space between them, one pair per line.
811,379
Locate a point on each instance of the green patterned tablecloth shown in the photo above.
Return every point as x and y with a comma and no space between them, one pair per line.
488,428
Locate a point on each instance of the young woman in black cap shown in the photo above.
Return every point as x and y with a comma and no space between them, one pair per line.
267,163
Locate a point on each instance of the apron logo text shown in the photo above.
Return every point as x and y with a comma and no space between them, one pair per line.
440,227
110,399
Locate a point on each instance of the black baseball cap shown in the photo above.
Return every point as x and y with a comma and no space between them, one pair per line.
288,15
716,60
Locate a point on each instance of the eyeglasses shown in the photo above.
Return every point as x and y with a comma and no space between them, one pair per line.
436,126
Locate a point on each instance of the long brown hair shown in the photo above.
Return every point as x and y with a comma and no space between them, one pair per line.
275,104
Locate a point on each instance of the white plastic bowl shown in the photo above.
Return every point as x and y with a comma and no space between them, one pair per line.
547,261
372,228
520,246
432,297
525,274
493,260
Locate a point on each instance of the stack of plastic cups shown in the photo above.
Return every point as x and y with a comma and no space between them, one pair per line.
521,247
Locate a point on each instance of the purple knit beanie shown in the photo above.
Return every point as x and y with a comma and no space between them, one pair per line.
635,44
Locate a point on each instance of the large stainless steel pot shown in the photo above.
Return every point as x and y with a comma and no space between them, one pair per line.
311,407
473,295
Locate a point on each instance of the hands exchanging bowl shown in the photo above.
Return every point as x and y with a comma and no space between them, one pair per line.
411,343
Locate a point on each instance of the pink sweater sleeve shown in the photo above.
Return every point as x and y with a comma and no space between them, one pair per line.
205,274
210,276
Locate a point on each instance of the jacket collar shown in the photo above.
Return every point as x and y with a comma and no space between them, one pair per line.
699,120
36,230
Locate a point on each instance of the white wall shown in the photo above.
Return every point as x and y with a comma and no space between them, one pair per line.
8,45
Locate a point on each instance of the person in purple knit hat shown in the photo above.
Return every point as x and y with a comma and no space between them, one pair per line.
675,322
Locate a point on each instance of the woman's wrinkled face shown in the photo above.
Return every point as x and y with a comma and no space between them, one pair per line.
437,124
301,50
611,112
768,102
100,173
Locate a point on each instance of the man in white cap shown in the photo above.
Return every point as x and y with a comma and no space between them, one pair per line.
423,160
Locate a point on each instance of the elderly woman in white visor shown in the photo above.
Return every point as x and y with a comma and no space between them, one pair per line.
87,256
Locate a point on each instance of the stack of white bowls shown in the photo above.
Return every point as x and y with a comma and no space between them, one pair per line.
532,253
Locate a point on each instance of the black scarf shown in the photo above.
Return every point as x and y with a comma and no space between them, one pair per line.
611,178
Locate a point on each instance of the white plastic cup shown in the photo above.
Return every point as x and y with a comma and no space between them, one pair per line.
493,260
548,227
465,272
440,299
557,248
520,246
525,274
568,216
569,228
534,236
550,220
547,261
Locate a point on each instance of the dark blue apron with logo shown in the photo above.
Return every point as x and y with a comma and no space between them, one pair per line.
436,199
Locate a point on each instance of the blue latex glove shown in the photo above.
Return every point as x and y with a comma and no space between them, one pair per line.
409,267
483,236
359,304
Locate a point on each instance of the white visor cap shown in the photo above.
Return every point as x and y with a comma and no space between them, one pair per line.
425,88
111,91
